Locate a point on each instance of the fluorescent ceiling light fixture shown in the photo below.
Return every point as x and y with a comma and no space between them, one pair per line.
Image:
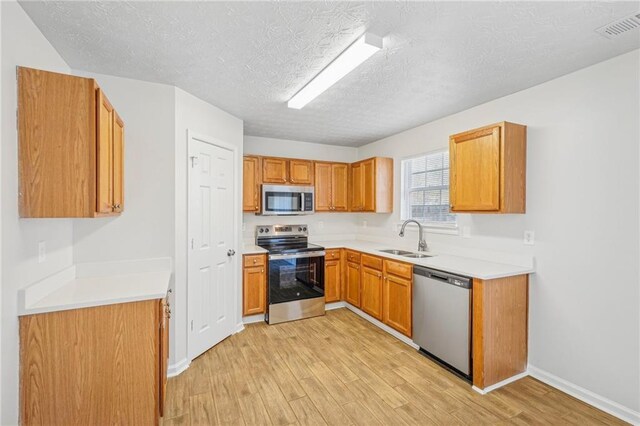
354,55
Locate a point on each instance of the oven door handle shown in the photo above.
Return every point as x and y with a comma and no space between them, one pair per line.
297,255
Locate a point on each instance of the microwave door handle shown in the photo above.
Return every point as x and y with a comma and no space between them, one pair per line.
302,201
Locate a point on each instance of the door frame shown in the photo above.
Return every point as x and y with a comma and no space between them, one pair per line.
193,137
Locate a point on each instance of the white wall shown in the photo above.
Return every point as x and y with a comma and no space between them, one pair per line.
583,140
195,115
22,44
321,225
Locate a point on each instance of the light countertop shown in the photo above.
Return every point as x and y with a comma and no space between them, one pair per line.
466,266
96,284
252,249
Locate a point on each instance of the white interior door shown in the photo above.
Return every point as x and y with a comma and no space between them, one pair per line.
212,259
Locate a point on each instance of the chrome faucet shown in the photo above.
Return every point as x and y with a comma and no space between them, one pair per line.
422,244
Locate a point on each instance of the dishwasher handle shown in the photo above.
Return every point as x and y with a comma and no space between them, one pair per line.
445,277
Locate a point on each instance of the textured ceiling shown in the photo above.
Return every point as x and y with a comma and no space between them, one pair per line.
249,58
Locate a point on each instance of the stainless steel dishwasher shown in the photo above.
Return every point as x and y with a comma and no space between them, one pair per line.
442,318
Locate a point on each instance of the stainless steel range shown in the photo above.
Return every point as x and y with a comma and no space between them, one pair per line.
295,273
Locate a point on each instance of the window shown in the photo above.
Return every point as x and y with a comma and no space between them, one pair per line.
425,189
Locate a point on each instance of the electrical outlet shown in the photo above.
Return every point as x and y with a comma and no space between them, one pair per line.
529,238
42,251
466,232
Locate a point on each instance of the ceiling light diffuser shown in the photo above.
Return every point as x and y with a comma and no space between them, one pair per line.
361,50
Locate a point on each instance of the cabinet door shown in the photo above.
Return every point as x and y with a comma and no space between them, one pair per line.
369,185
397,303
118,163
323,187
357,200
274,170
340,187
251,184
105,154
332,281
254,291
372,292
164,315
301,172
353,284
475,170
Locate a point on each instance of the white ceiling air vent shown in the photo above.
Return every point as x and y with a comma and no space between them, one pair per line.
621,26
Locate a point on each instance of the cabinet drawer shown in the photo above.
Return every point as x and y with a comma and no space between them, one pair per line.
353,256
399,269
373,262
254,260
332,254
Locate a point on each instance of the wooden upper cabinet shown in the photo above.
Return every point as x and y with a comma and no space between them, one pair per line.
301,172
274,170
70,147
488,169
372,185
251,184
331,186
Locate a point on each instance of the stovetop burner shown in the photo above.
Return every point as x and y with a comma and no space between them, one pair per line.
282,239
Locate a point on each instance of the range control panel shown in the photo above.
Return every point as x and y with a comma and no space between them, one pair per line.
281,230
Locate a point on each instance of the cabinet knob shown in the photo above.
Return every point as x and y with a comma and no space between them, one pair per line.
255,260
262,271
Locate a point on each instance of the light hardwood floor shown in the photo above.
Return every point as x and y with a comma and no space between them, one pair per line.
339,369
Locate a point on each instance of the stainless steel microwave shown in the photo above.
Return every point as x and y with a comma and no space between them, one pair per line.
287,200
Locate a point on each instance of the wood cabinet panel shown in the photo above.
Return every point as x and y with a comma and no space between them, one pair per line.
56,110
397,303
353,256
373,262
353,284
105,154
91,366
488,169
357,187
368,185
254,260
165,314
323,187
340,186
500,312
400,269
274,170
118,163
332,280
301,172
371,299
251,178
254,287
71,147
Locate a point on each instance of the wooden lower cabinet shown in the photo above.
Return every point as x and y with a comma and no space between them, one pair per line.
98,365
500,311
332,276
371,300
352,288
397,303
254,285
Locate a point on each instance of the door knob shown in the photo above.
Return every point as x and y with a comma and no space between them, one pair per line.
231,252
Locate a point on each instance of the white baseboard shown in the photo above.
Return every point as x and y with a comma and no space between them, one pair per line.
372,320
591,398
250,319
334,305
177,368
500,384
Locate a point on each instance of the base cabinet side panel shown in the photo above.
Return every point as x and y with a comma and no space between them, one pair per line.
91,366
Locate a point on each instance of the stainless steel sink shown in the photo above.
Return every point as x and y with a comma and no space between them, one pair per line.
396,252
417,255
